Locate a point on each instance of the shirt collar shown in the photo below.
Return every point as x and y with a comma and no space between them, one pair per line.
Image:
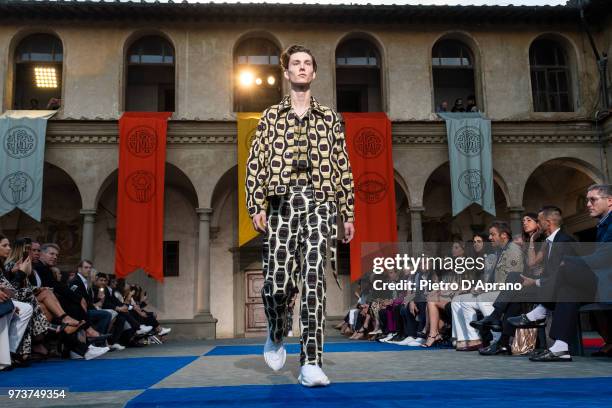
285,104
83,279
604,219
551,237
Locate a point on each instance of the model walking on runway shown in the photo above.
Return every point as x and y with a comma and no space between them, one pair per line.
298,180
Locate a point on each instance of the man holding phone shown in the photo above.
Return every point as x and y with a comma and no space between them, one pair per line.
298,178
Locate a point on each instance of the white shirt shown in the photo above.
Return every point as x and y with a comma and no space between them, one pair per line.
38,281
550,240
84,280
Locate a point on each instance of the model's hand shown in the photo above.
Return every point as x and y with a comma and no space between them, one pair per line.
349,232
259,221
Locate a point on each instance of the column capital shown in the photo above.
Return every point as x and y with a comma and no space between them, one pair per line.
87,211
416,209
89,215
204,213
516,209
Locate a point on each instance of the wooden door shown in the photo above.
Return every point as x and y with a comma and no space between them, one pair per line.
256,323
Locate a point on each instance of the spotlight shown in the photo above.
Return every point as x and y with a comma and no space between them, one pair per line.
246,78
258,81
45,77
271,80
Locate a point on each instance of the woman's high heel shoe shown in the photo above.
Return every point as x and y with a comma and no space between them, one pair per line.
437,340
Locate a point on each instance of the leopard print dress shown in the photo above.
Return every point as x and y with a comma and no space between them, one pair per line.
38,324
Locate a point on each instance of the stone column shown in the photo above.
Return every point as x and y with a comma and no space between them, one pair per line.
203,270
89,223
516,222
416,226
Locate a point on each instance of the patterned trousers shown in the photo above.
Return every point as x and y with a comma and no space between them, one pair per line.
294,252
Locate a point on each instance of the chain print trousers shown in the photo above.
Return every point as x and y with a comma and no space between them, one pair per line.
294,252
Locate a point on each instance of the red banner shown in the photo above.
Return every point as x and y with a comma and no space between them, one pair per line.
140,193
369,145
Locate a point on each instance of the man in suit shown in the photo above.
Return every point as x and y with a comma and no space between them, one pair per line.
508,303
577,279
81,302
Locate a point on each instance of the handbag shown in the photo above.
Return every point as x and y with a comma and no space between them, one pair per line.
524,341
6,307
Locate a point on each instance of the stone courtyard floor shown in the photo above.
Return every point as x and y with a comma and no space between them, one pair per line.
363,374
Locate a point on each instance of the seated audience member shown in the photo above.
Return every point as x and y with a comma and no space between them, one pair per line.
438,300
576,277
13,322
509,303
508,258
81,302
388,314
413,313
139,303
125,326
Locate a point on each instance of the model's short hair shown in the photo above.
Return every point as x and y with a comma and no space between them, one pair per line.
45,247
284,59
605,190
502,227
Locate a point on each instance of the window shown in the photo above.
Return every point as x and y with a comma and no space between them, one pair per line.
358,77
150,76
453,77
258,75
171,258
38,72
550,77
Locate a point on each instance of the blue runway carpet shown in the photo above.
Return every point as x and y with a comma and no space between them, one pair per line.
95,375
577,392
355,346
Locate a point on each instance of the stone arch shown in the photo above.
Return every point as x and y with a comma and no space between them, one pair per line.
563,182
384,68
470,41
9,92
439,224
128,41
574,61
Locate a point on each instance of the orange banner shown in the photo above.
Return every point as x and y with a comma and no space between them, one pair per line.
369,145
140,194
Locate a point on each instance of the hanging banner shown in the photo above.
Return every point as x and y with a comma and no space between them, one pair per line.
140,193
247,127
22,159
471,162
370,151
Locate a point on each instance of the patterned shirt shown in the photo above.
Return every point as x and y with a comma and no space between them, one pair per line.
301,174
274,150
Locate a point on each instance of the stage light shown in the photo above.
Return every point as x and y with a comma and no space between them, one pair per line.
258,81
246,78
46,77
271,80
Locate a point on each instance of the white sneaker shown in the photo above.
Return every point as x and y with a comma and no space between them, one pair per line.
312,376
117,347
144,329
416,343
275,354
386,339
290,333
75,356
94,352
163,331
377,331
404,342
